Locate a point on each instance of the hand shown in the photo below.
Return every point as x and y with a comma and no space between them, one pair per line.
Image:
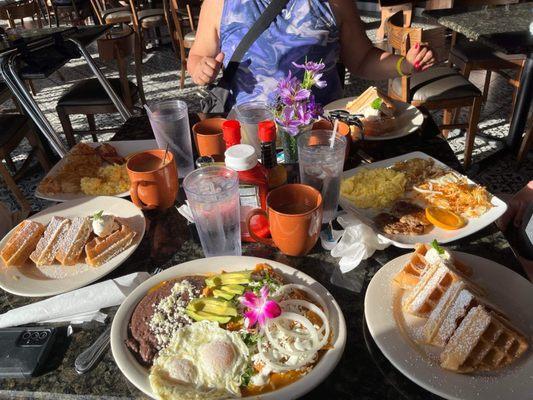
419,58
517,207
207,69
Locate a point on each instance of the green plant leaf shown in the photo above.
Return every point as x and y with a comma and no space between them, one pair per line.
376,103
436,246
98,215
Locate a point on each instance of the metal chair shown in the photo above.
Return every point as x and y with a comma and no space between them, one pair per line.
88,97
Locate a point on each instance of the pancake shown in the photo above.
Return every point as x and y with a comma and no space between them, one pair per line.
142,341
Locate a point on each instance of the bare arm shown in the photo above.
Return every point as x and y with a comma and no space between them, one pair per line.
205,58
362,58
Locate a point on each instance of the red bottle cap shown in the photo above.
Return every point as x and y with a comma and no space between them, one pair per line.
231,132
267,131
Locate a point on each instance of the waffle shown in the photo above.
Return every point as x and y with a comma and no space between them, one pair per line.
411,273
46,250
449,312
71,246
101,250
433,285
483,341
21,243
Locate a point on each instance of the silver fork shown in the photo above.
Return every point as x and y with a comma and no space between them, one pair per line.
90,357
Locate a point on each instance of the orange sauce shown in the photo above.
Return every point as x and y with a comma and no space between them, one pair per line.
154,288
277,381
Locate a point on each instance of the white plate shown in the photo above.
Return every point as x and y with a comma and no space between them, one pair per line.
505,288
124,148
442,235
138,375
409,119
48,280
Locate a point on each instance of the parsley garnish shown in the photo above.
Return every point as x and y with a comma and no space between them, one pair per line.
250,339
436,246
376,103
98,215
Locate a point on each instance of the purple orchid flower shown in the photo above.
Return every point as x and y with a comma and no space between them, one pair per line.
310,66
260,308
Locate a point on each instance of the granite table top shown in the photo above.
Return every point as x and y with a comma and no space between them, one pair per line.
504,28
363,372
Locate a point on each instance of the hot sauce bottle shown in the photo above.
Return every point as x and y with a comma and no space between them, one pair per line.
277,175
253,187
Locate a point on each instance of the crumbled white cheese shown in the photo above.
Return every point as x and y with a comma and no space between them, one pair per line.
169,314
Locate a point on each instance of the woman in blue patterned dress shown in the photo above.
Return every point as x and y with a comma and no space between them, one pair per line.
315,30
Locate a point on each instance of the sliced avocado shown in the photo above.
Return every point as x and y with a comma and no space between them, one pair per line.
202,315
213,305
229,278
235,289
223,294
213,281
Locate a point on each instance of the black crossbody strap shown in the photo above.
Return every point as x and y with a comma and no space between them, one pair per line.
271,12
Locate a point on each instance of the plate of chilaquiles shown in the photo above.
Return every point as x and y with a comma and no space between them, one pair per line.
92,169
228,327
415,198
69,245
457,324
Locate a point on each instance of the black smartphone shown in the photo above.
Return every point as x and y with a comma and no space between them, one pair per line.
24,350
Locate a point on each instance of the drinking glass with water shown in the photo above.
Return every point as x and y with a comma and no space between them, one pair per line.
213,194
321,157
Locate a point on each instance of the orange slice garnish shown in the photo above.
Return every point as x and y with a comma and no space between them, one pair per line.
444,219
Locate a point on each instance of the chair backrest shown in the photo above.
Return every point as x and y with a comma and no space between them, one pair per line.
399,41
98,8
118,46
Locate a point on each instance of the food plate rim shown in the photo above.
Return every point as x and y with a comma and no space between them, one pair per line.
402,132
62,205
404,365
348,207
60,197
126,361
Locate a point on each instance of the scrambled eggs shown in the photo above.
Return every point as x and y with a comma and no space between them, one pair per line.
202,361
374,188
110,180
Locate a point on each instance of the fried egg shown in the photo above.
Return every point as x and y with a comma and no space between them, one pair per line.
202,361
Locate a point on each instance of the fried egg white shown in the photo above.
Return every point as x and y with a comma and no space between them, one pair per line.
202,361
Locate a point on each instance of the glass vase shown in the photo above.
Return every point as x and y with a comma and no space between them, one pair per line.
289,143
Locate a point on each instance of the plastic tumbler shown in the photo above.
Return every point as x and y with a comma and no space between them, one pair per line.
321,157
170,123
213,194
249,114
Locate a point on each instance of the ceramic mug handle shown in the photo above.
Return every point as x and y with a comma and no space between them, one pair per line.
135,197
258,211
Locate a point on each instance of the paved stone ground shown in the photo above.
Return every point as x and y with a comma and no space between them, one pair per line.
161,81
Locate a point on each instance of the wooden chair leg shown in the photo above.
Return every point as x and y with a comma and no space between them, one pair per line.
447,120
486,85
527,141
92,126
472,130
37,146
12,185
10,164
67,126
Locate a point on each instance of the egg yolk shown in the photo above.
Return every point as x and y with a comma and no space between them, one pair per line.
217,355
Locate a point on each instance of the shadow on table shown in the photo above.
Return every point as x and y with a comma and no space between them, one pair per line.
58,352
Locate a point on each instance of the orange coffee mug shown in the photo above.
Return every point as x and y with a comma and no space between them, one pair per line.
343,130
154,185
294,214
208,136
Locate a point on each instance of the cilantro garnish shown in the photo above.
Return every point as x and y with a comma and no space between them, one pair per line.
376,103
436,246
245,378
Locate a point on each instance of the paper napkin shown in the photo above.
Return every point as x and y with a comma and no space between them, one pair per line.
77,306
357,242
